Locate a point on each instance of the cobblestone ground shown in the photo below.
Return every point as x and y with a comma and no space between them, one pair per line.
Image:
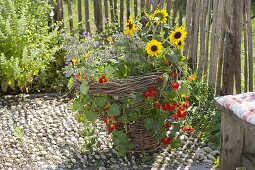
40,132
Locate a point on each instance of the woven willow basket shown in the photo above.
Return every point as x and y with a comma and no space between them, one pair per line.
139,136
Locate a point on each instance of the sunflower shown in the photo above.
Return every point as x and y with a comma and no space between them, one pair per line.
177,34
131,27
154,48
179,44
160,16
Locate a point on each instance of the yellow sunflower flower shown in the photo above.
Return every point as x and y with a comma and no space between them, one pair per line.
131,27
179,44
160,16
154,48
177,34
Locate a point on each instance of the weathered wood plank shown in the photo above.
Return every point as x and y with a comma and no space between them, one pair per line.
106,12
86,5
245,47
128,8
231,141
248,161
80,17
70,13
148,6
175,9
250,51
115,9
169,7
121,13
194,45
189,26
202,39
112,11
238,10
228,76
181,6
135,8
207,30
98,15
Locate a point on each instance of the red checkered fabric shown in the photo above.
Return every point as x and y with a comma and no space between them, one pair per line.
243,105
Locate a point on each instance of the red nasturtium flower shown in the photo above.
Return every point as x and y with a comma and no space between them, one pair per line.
78,76
156,104
188,129
165,106
166,140
151,92
167,125
186,104
175,86
103,79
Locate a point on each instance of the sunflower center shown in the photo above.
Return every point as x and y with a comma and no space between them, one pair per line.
154,48
177,35
179,43
130,25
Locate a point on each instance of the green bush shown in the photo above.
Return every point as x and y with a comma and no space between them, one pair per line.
204,116
26,44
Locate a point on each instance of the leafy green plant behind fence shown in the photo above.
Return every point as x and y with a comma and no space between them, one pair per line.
26,45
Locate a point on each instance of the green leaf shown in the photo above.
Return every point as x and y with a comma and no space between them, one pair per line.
109,70
149,123
77,105
133,116
84,88
100,101
175,143
114,110
91,116
70,83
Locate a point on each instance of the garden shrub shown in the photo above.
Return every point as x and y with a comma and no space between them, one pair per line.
26,44
204,115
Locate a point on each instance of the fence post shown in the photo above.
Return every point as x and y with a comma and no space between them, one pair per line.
121,13
250,51
80,17
69,3
135,8
86,5
98,15
106,12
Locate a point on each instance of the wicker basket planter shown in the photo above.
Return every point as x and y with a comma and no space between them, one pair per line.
142,139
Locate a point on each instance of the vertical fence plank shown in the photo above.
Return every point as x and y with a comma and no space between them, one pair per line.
80,17
202,38
98,15
135,8
121,13
194,45
175,10
181,5
106,12
112,11
207,30
213,59
155,5
115,9
148,5
142,6
228,76
250,52
169,6
86,5
69,3
237,38
245,47
128,8
189,26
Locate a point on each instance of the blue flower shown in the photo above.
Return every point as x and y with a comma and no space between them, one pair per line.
96,44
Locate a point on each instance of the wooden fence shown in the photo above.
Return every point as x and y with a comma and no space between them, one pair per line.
219,43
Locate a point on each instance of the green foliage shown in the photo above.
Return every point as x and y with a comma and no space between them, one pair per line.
19,135
204,116
26,45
